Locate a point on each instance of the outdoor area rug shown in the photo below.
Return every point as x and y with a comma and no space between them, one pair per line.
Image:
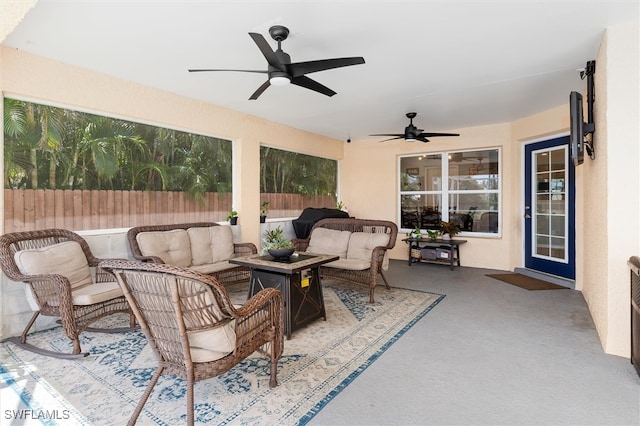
103,389
528,283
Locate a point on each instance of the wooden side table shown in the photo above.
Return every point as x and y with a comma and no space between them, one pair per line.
452,245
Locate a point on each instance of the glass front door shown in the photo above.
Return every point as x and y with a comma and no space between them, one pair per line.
549,208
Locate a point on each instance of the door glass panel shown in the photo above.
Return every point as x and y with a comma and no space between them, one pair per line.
551,225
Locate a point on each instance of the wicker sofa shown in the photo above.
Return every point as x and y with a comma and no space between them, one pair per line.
204,247
362,245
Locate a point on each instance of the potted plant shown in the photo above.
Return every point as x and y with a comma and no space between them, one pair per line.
449,229
416,233
276,244
233,217
433,234
340,206
264,210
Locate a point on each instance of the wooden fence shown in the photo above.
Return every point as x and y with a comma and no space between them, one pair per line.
33,209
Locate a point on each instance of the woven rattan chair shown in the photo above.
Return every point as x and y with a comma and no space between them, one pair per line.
191,325
57,292
364,277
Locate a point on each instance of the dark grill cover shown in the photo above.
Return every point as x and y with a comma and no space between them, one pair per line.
302,225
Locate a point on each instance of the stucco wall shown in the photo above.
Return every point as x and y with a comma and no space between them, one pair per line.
611,200
42,80
370,187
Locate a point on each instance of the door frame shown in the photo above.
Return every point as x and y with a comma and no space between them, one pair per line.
570,273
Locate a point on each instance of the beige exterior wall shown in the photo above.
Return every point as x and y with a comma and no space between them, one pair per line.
370,186
42,80
611,193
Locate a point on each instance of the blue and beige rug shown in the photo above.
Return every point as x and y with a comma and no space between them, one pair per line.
103,389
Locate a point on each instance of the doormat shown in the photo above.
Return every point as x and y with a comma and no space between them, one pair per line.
528,283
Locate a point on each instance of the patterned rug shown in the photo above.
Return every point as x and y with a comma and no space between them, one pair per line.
103,389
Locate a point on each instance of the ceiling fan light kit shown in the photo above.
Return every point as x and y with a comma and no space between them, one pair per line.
412,133
281,71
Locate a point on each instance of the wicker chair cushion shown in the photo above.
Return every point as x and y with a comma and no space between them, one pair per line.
210,345
211,244
173,247
211,268
350,264
96,293
66,259
361,244
329,241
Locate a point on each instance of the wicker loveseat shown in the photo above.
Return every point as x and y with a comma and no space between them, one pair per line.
362,245
204,247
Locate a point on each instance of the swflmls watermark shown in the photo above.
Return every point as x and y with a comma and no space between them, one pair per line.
28,414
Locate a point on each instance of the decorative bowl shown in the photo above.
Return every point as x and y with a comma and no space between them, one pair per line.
281,253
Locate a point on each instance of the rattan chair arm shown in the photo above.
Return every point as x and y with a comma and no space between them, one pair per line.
300,244
149,259
258,301
244,249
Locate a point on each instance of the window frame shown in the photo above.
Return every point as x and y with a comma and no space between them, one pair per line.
445,192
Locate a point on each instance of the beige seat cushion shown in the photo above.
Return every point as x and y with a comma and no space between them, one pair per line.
210,268
210,345
349,264
173,247
96,293
361,245
329,241
211,244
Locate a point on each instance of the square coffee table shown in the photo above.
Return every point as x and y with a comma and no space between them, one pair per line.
298,278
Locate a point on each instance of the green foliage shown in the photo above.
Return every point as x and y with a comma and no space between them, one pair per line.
232,213
47,147
275,239
450,228
294,173
264,208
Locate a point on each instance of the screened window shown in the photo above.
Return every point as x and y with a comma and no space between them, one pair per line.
290,182
74,170
463,187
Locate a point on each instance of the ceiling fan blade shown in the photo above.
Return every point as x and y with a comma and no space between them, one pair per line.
429,135
308,83
267,52
422,139
261,89
301,68
208,70
400,135
391,139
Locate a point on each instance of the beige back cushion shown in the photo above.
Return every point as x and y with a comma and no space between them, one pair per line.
173,246
211,244
361,245
329,241
66,259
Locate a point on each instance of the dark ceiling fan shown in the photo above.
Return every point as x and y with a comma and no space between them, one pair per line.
412,133
281,71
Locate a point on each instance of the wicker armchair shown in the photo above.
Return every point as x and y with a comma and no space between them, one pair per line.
365,277
191,325
55,264
234,273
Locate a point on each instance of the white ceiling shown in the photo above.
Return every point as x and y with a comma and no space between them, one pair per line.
456,63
